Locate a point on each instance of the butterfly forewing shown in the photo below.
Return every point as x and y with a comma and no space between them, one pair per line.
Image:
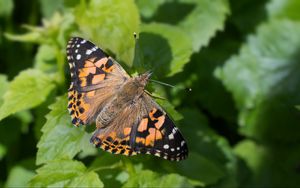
94,79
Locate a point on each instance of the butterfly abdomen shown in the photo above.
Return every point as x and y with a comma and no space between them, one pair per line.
126,97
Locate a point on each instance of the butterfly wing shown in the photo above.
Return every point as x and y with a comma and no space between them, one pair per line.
95,77
144,128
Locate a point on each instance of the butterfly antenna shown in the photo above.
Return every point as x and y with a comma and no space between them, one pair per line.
162,83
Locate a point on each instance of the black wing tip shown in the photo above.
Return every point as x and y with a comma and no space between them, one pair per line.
74,40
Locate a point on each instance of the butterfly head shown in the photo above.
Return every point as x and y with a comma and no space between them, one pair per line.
143,78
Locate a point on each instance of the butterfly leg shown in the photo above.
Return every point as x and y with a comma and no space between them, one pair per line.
95,140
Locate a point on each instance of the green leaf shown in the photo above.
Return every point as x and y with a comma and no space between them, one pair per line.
26,118
60,139
2,151
276,166
29,89
246,16
210,157
6,7
52,31
191,168
148,8
284,9
88,179
63,173
204,21
147,178
4,85
165,47
18,177
27,37
265,84
49,7
45,59
207,90
110,24
110,168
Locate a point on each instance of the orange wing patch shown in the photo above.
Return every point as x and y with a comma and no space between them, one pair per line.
86,71
127,130
101,62
149,129
89,63
150,139
143,125
77,107
98,78
113,143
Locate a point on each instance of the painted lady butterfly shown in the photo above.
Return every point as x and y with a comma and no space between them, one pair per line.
128,120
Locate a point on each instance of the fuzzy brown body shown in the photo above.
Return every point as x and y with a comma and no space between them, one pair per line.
127,96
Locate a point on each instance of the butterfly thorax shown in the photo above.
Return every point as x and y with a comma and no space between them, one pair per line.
128,95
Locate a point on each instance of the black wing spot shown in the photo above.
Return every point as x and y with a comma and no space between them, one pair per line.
109,139
109,63
81,110
157,114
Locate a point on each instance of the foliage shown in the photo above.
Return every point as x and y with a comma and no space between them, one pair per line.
234,65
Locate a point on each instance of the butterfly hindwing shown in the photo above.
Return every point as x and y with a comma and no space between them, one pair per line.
143,128
156,134
114,142
94,77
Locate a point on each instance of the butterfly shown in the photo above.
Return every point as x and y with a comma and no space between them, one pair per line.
128,120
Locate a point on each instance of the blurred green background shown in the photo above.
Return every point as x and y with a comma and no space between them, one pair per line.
240,117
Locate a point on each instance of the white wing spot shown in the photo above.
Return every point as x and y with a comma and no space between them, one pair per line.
83,41
178,148
88,52
78,45
95,48
78,56
171,136
76,51
182,143
166,146
172,149
174,130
